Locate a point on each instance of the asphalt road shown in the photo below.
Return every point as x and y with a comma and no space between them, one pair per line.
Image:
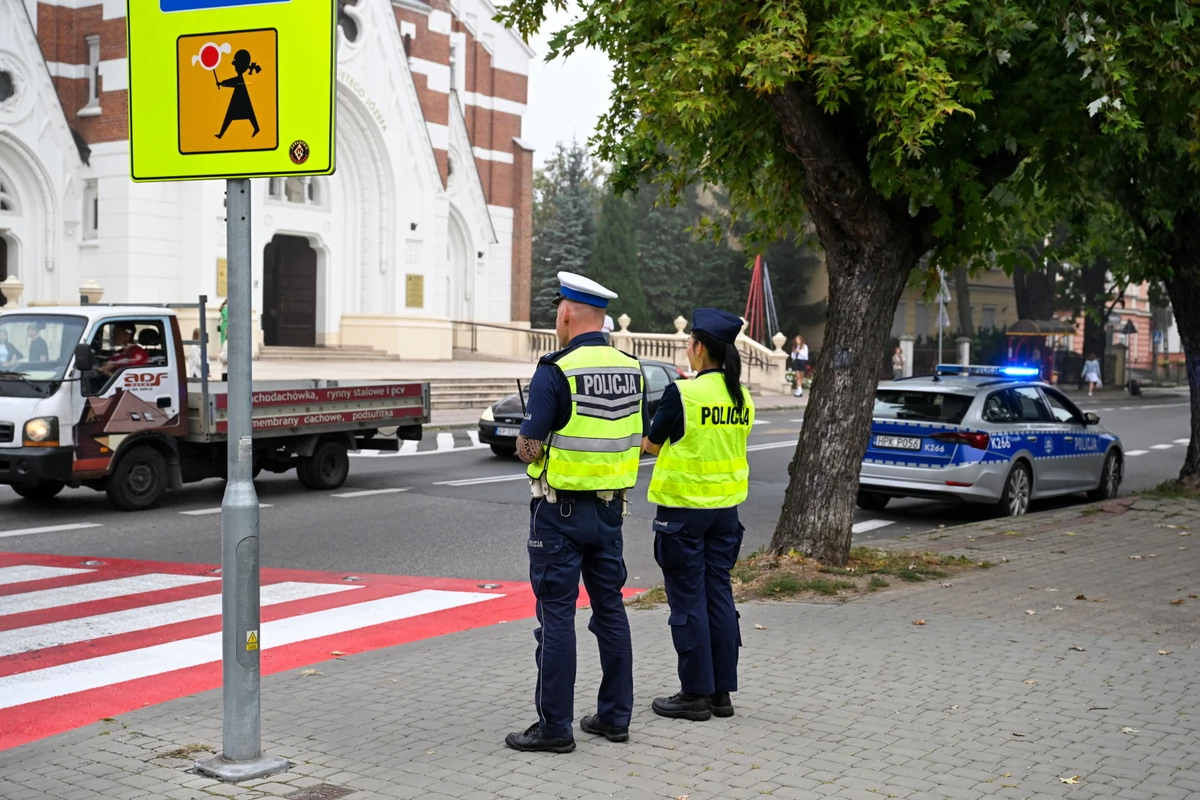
464,512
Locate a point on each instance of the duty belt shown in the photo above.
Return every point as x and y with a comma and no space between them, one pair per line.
540,489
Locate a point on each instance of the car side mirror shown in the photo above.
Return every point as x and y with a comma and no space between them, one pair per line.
1091,418
83,358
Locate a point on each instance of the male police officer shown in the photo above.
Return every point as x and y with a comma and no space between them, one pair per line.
582,440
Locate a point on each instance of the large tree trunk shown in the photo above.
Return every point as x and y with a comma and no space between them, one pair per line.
1035,291
1095,307
1183,248
871,244
962,299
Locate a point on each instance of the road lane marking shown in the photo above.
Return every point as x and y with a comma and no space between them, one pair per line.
35,572
100,590
474,481
1161,446
1183,441
82,629
1136,452
474,437
200,512
762,422
78,526
445,441
94,673
372,492
870,525
754,448
796,420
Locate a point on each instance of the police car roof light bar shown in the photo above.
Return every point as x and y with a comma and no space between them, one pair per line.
982,370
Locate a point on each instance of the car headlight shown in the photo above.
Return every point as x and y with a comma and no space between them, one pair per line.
488,416
41,431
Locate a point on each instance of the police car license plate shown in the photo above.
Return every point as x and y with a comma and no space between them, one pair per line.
508,432
898,442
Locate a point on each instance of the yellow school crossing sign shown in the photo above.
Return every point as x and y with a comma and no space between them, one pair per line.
231,88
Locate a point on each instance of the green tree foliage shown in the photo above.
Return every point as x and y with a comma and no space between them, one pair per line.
564,224
615,261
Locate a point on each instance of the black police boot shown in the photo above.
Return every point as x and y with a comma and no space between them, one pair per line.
721,704
596,727
532,741
683,706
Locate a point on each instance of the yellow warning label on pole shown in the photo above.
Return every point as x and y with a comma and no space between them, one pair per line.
251,640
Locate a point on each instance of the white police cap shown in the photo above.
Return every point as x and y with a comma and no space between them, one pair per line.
584,290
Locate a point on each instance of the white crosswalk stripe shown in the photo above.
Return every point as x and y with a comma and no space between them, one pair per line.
33,572
89,592
439,444
870,525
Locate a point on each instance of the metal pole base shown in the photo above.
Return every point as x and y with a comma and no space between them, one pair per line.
235,771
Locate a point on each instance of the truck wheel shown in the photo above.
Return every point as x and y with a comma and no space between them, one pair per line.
138,481
327,468
39,492
870,501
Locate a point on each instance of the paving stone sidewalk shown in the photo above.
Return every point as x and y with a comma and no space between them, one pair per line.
840,700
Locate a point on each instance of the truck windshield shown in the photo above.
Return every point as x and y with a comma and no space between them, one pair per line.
918,405
35,349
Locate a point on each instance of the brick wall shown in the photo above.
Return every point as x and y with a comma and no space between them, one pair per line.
62,33
522,241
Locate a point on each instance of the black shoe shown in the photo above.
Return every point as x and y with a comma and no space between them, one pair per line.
532,741
594,726
720,704
683,706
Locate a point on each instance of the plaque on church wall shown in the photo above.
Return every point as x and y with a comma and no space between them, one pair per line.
415,291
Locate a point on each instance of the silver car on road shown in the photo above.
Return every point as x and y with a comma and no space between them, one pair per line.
989,435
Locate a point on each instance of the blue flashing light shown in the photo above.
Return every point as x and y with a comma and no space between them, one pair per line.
979,370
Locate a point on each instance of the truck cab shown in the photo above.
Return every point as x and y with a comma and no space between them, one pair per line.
79,386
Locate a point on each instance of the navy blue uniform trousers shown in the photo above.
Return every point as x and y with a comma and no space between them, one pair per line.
696,549
567,540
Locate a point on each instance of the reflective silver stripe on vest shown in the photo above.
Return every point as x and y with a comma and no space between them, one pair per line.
620,402
585,445
602,371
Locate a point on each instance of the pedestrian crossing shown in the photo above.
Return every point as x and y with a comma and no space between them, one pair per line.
83,639
441,442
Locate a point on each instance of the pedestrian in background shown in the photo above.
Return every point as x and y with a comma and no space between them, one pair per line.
1091,373
799,364
898,363
581,437
700,477
194,362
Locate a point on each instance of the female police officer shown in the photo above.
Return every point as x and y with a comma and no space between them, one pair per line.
699,434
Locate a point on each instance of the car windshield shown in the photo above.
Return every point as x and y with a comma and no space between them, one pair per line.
36,347
926,406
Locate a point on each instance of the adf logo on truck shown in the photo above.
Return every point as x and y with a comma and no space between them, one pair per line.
143,380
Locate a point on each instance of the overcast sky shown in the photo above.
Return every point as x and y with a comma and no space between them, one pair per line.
566,96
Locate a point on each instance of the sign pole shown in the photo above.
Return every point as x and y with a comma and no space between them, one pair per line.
241,757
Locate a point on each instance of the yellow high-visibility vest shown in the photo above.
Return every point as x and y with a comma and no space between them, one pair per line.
600,446
707,467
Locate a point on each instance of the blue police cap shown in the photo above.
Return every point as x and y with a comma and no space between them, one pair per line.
584,290
718,323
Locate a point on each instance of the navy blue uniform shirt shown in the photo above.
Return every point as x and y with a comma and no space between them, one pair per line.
668,419
548,405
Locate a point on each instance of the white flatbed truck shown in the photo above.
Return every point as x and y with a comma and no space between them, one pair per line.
104,401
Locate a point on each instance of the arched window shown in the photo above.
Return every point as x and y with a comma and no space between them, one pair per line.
345,21
8,198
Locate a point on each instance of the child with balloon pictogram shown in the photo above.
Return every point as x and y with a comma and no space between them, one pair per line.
240,106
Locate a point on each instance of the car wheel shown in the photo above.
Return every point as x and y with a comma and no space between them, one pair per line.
138,481
39,492
504,450
1018,488
870,501
327,468
1110,478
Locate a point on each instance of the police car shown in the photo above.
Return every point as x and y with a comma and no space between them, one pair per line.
987,435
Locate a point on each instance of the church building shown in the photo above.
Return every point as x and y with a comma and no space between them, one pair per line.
426,221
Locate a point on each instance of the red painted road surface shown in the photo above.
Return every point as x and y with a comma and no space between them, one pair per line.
83,638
